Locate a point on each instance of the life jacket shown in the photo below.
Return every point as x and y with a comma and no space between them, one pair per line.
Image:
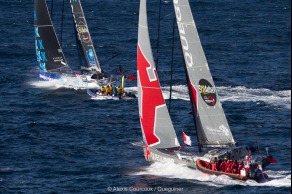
214,166
223,166
111,88
235,167
228,168
107,89
102,89
119,90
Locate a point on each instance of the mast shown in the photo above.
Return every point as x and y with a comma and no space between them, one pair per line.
156,125
211,124
48,50
86,51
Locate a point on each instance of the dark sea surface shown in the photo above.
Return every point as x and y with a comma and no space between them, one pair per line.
59,140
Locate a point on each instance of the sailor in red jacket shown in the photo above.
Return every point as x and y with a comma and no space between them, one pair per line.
223,165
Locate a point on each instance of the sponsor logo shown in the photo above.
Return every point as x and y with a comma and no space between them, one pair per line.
42,66
208,92
90,57
83,32
184,42
222,129
162,159
58,59
45,77
36,32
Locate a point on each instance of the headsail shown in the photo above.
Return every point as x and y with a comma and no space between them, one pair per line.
49,53
156,124
86,52
211,124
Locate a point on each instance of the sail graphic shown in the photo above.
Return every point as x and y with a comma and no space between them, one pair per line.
211,124
48,51
157,128
86,52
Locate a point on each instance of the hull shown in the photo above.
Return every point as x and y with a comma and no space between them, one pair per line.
194,162
45,76
201,165
96,94
177,157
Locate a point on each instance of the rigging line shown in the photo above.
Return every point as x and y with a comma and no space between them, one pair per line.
62,22
171,68
52,7
158,34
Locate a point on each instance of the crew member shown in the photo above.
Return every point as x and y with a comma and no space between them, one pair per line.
107,90
102,90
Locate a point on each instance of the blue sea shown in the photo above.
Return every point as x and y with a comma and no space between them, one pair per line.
60,140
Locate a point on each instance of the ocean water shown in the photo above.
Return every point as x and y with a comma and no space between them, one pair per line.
59,140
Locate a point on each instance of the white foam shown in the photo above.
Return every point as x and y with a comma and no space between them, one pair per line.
170,170
55,84
280,99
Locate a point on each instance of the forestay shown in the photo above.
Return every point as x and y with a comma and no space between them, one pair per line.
49,53
157,128
86,52
211,124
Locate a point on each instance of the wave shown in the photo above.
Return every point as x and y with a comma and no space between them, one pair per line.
280,99
56,84
277,178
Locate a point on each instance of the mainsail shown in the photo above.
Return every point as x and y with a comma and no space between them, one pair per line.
211,124
48,51
157,128
86,52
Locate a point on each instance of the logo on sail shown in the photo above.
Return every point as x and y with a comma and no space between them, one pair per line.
208,92
90,57
83,32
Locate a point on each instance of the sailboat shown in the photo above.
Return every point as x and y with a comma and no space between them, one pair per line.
214,137
50,57
91,71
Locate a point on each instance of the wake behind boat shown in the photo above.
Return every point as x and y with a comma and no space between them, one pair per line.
216,144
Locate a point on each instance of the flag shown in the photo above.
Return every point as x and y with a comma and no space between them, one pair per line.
77,74
131,77
187,139
247,166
